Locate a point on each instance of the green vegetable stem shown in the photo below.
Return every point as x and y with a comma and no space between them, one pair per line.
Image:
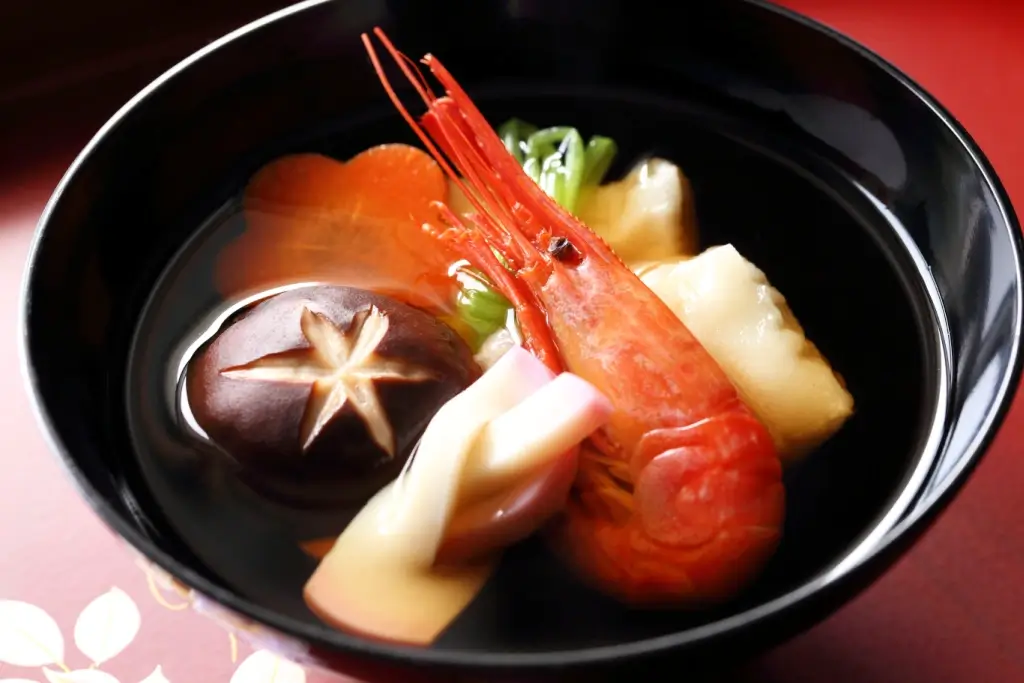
557,158
480,306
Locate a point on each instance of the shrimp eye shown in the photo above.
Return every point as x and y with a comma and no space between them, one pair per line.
562,249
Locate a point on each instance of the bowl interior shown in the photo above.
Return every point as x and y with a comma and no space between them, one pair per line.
839,182
814,238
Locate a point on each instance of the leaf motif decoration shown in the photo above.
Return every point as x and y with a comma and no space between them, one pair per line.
107,626
264,666
28,635
79,676
156,677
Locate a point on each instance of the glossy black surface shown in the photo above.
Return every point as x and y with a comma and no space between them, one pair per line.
861,199
880,344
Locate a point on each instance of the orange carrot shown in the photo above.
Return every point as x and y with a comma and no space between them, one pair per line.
318,547
311,218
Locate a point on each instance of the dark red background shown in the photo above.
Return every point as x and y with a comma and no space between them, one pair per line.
951,612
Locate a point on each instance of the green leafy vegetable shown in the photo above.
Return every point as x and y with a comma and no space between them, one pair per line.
598,159
557,158
482,308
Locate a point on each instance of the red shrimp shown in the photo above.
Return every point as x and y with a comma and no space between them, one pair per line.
679,498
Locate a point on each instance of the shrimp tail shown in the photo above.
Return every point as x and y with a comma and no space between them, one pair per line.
704,517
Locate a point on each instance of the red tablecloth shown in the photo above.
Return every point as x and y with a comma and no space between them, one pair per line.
950,612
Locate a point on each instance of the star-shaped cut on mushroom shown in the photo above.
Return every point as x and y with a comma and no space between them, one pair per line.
342,366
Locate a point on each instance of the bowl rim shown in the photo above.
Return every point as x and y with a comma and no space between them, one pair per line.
913,524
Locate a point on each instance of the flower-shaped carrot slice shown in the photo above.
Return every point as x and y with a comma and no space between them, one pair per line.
358,223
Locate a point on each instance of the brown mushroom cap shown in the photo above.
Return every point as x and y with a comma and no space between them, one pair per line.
259,386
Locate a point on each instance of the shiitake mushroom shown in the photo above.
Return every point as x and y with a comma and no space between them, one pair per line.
319,394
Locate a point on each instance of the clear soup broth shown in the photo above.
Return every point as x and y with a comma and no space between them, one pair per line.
820,242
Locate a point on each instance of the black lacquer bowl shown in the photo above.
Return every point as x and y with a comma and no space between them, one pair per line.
861,198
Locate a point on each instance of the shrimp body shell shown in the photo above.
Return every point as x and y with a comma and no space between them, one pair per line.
609,327
707,501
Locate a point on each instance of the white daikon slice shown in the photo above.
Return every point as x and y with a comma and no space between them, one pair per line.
367,583
380,578
429,486
745,324
528,436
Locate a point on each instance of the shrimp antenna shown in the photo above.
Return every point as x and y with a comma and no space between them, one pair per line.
418,81
445,130
487,226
